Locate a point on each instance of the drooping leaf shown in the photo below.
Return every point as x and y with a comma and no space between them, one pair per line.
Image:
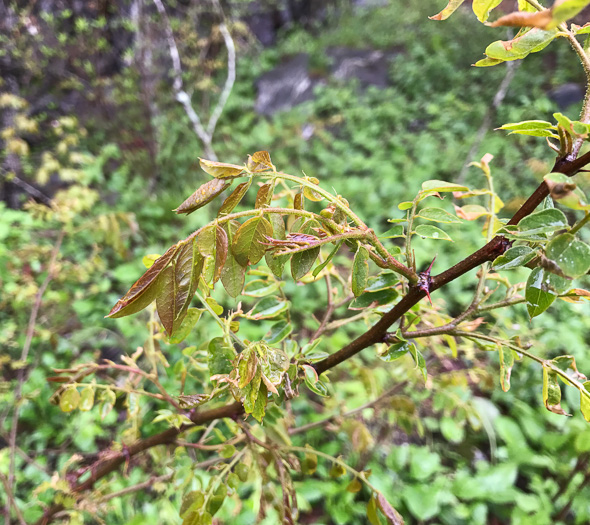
221,170
233,274
264,195
426,231
86,399
179,284
186,326
437,215
360,271
482,8
70,399
514,258
564,190
204,195
259,408
530,42
321,266
277,262
234,198
220,357
302,262
392,515
585,401
146,288
552,392
570,254
541,19
248,245
372,514
419,360
451,7
541,290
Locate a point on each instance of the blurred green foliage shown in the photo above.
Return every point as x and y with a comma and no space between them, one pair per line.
457,450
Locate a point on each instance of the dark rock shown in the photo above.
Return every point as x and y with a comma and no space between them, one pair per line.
369,66
285,86
567,94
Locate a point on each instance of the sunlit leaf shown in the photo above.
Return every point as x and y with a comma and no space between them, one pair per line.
221,170
482,8
441,186
260,161
552,392
86,399
204,195
451,7
585,401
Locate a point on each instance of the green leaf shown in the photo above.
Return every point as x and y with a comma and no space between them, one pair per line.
70,399
438,215
506,364
179,284
360,271
532,41
234,198
451,7
268,308
321,266
186,326
396,351
542,287
86,399
221,170
146,288
482,8
419,360
564,190
192,502
260,405
570,254
302,262
277,262
393,232
565,10
233,274
441,186
203,195
527,125
214,504
552,392
514,258
107,402
261,288
278,331
372,514
488,62
426,231
537,224
381,282
248,245
220,357
374,299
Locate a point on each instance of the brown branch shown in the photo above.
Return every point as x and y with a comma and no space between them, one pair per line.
375,334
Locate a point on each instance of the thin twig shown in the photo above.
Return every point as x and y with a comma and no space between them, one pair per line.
135,488
23,358
11,502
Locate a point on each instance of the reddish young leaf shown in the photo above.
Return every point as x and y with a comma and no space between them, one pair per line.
146,288
204,195
260,161
234,199
264,195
